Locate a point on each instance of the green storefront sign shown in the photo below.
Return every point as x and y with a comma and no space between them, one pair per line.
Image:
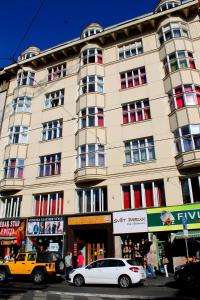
170,218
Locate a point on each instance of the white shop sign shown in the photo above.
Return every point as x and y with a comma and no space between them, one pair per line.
130,221
53,247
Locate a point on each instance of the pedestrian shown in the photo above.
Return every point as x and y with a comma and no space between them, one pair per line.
149,265
68,264
165,262
80,260
7,257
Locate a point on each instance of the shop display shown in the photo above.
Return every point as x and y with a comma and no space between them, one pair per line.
134,249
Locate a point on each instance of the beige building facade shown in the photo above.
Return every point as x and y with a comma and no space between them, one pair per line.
108,122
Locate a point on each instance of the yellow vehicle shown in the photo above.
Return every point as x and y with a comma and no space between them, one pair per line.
35,264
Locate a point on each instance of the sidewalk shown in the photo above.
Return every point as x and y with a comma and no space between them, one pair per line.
160,281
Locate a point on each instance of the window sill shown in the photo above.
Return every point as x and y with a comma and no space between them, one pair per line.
48,176
50,108
133,87
91,93
21,144
133,123
130,57
21,112
139,163
46,141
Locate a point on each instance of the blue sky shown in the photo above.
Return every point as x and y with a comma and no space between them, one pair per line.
59,20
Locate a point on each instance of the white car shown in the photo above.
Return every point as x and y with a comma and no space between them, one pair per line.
123,272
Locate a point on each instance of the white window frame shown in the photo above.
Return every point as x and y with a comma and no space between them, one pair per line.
177,60
10,207
50,98
56,72
91,80
171,27
55,160
21,136
91,31
179,137
148,148
91,52
189,183
132,49
59,199
8,168
26,78
132,77
25,107
136,110
84,151
92,201
85,118
52,130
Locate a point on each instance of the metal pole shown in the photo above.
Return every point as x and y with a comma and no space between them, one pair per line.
186,246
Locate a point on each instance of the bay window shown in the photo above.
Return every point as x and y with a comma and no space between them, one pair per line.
13,168
144,194
10,206
48,204
187,138
178,60
25,78
92,55
92,200
136,111
54,99
190,189
184,95
57,72
91,155
91,84
91,116
21,104
139,150
132,49
133,78
50,165
172,30
52,130
18,135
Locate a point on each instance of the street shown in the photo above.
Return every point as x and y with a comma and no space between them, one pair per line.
160,288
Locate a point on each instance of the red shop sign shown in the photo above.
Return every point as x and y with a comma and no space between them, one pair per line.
13,228
75,248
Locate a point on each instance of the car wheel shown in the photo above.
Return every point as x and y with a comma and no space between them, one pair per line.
191,281
38,277
124,281
3,276
79,280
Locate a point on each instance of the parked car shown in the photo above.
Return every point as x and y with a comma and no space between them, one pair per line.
35,264
188,275
123,272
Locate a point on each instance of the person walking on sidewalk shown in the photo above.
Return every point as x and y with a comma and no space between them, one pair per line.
80,260
165,262
149,265
68,264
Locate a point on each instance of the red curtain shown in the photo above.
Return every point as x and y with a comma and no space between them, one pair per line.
179,98
198,94
191,61
62,205
138,196
100,117
127,197
149,195
45,204
53,205
37,206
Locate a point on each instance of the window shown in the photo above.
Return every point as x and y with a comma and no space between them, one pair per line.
18,135
136,111
139,150
190,189
187,138
92,55
91,116
13,168
129,50
91,31
172,30
21,104
92,200
184,95
48,204
91,84
10,207
178,60
167,5
25,78
91,155
52,130
50,165
57,72
145,194
133,78
26,55
54,99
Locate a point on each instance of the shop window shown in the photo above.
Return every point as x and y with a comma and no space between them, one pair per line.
190,189
54,99
184,95
52,130
178,60
21,104
131,49
133,78
139,150
57,72
171,31
48,204
13,168
187,138
91,155
146,194
90,117
134,248
50,165
90,56
92,200
10,207
91,84
25,78
18,135
136,111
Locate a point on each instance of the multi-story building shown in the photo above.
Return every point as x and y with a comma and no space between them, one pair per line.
108,122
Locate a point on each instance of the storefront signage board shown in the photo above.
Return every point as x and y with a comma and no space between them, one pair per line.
12,228
54,247
45,226
130,222
86,220
170,218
